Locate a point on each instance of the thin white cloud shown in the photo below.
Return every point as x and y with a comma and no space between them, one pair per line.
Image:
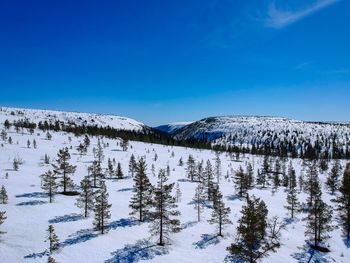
278,18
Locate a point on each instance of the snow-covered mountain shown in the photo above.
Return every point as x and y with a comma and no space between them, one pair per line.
33,115
274,133
172,127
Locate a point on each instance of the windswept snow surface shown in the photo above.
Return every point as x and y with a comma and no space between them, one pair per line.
29,213
33,115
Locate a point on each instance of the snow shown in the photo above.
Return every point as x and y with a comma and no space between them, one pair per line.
127,240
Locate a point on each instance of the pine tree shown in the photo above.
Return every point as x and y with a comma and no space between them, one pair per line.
2,219
52,239
343,202
64,168
250,175
132,165
110,168
220,213
178,193
181,162
319,213
333,181
86,196
49,184
191,168
217,167
165,211
292,202
101,208
34,144
28,143
119,172
292,179
261,179
208,178
199,200
98,152
240,182
141,200
124,144
95,171
256,237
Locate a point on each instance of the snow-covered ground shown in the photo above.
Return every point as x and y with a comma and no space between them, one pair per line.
29,213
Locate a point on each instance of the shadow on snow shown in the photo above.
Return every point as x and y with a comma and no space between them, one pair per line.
31,203
207,239
309,255
33,195
66,218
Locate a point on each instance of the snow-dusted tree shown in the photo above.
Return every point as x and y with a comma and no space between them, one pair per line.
220,214
199,200
98,152
124,144
51,260
110,168
181,162
292,202
178,193
95,171
333,180
49,184
343,201
208,180
3,195
191,167
62,167
119,171
217,167
17,161
276,181
132,165
261,179
2,219
292,179
101,208
81,149
318,219
52,239
46,159
256,237
28,143
200,171
240,182
86,196
165,213
86,141
34,144
141,201
250,175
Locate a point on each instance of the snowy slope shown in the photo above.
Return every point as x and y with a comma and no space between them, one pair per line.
172,127
34,115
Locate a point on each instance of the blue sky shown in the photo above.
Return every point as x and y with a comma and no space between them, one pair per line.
163,61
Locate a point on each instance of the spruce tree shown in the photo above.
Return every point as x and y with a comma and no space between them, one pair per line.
2,219
86,196
52,239
98,152
141,200
132,165
240,182
165,213
292,180
62,167
101,208
3,195
124,144
343,201
256,236
110,168
250,175
119,171
49,184
333,180
208,180
178,193
217,167
261,179
199,200
220,214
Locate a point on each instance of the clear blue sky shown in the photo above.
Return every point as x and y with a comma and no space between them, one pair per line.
161,61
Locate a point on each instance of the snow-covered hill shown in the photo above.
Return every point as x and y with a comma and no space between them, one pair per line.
270,132
172,127
33,115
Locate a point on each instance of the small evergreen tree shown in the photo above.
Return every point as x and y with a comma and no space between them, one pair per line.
110,168
49,184
220,213
165,211
62,167
52,239
98,152
250,175
95,171
101,208
333,180
199,200
2,219
217,167
141,200
132,165
124,144
51,260
3,195
191,168
240,182
208,180
178,193
292,202
119,172
86,196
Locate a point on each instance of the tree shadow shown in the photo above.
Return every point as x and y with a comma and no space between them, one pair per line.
66,218
125,189
309,255
141,250
188,224
38,255
31,203
207,239
233,197
33,195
